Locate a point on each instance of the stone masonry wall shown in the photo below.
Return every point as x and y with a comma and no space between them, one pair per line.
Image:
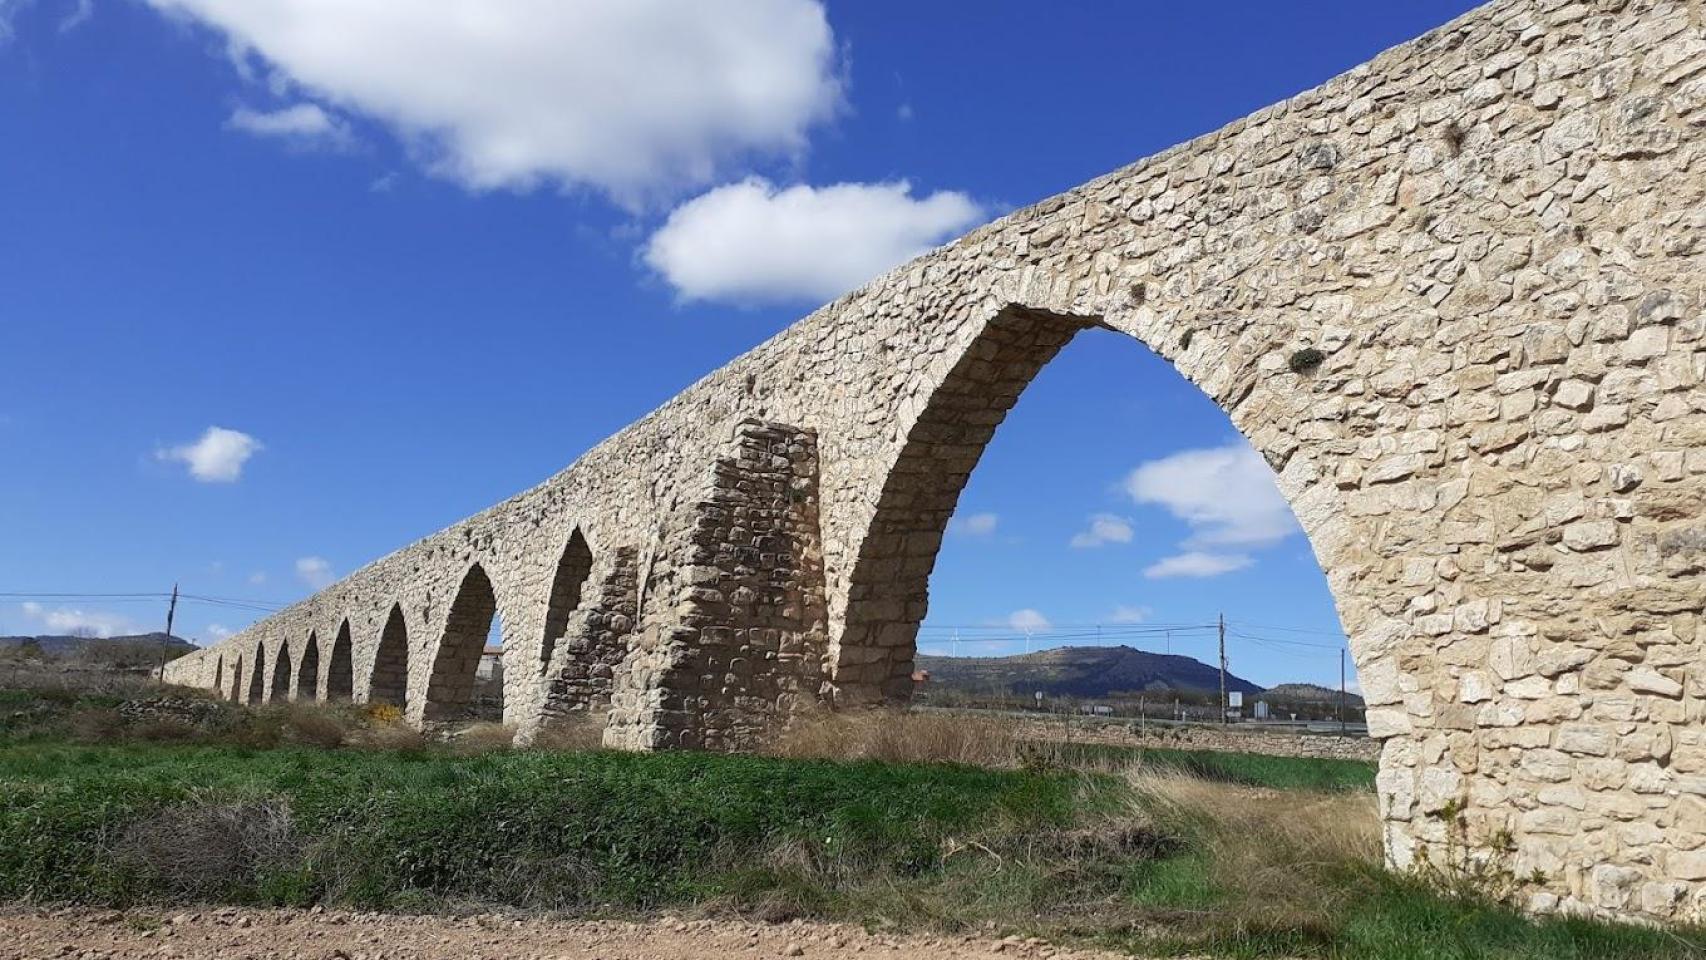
1493,236
748,645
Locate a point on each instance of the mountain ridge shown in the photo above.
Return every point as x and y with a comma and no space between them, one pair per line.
1080,672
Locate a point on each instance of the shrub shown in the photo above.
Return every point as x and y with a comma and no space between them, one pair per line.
482,737
96,724
384,713
1306,360
210,850
578,731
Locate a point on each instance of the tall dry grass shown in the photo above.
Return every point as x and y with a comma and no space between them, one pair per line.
210,848
898,736
1282,859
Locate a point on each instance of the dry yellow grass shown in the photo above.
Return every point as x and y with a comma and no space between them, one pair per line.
1280,856
576,732
901,737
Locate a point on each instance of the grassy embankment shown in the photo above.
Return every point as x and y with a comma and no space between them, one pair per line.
1228,855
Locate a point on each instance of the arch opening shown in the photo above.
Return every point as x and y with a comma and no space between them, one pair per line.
340,672
567,586
1102,581
308,672
235,691
280,690
888,588
258,677
219,675
467,673
389,682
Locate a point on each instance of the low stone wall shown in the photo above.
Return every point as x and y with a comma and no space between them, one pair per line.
1231,739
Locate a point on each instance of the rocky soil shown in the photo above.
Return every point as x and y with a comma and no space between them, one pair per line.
232,934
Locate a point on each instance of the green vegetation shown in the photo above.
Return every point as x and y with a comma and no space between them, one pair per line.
1159,851
397,829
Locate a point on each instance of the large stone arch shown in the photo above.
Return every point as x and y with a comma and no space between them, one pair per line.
1492,237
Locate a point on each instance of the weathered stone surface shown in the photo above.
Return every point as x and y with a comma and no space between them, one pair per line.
1493,234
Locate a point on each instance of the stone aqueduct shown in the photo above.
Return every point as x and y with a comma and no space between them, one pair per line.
1496,237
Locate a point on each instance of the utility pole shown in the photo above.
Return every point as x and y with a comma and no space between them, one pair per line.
1223,669
1341,693
171,611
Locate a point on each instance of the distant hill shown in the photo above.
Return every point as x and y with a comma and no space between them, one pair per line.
1078,672
1310,693
141,644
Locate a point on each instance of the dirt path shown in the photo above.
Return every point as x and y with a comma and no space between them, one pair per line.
228,934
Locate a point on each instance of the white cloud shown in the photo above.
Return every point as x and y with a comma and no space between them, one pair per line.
315,572
1226,494
632,97
1125,614
1197,563
753,242
9,9
79,15
974,524
301,123
1104,528
1028,621
218,631
218,457
67,620
257,578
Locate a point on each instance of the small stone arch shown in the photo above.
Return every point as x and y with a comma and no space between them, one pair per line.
340,672
389,681
308,671
450,687
568,584
235,691
279,689
219,674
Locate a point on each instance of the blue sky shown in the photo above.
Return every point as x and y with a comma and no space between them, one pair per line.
415,259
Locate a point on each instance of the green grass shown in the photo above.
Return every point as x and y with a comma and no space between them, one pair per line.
383,829
932,846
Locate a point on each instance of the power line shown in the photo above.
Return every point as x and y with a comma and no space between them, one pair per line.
267,606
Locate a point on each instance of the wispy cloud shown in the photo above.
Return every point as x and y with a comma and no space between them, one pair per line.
1104,528
1197,563
218,457
316,572
1125,614
1228,498
307,124
1029,621
974,525
79,622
